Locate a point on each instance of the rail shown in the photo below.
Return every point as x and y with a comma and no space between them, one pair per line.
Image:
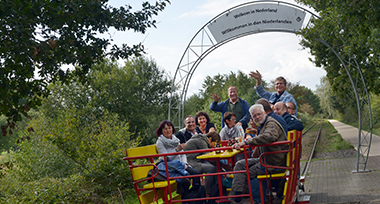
304,172
170,200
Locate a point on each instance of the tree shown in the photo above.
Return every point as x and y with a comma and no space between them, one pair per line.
325,94
38,37
352,28
304,95
138,93
306,108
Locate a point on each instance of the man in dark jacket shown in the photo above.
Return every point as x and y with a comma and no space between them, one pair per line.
232,104
186,133
292,122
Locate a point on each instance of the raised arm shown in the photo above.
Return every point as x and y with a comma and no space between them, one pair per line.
215,106
259,87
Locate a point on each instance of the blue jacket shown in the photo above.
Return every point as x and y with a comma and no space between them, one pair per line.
175,168
223,107
271,97
293,122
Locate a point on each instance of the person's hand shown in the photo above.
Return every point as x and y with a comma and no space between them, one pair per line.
238,145
240,124
257,76
181,146
215,97
185,166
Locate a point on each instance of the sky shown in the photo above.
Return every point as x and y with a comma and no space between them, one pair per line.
272,54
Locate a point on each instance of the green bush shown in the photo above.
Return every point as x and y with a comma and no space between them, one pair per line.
306,119
75,189
38,158
62,147
98,147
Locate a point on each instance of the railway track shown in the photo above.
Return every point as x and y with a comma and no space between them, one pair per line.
304,172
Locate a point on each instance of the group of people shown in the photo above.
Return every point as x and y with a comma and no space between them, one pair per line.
269,118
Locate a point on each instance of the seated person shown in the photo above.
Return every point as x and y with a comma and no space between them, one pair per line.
292,121
188,131
204,125
231,130
169,143
202,141
270,131
291,108
269,111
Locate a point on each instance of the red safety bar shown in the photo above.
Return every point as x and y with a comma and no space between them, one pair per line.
154,191
292,169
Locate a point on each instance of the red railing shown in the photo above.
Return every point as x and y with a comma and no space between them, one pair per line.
224,198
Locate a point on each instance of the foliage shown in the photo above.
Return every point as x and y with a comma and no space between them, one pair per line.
193,104
10,142
78,133
375,108
37,159
74,189
335,105
306,108
61,147
352,29
325,96
303,96
38,37
97,148
138,93
307,119
5,142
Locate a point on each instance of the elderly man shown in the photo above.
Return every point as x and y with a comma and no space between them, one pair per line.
291,108
186,133
232,104
270,131
292,122
280,85
268,110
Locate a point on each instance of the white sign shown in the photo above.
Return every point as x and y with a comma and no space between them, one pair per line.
253,18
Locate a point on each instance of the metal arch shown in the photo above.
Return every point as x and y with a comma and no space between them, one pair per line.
202,44
363,103
199,47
